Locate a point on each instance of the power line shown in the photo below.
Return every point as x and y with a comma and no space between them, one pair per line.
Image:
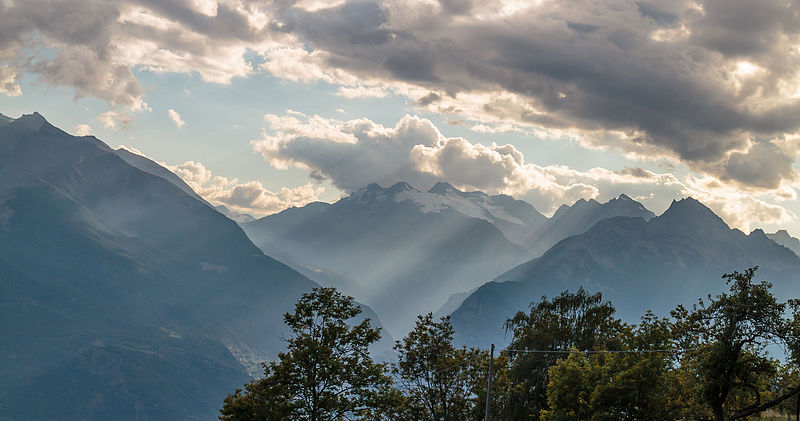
574,351
444,370
608,351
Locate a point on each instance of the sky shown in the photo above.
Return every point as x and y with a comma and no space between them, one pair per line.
265,104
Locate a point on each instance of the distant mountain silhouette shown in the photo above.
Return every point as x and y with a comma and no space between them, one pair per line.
582,215
407,250
671,259
783,238
123,295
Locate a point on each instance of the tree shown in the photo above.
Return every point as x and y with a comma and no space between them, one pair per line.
502,388
579,321
731,372
637,384
436,378
326,372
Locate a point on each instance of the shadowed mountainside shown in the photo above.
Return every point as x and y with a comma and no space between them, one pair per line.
122,295
638,265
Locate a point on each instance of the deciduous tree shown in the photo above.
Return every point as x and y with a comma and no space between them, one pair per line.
326,372
731,370
437,379
579,321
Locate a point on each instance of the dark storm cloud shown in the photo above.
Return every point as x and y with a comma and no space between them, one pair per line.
764,165
743,27
456,7
601,67
429,99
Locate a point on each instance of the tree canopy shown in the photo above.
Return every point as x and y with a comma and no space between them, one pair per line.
570,358
325,374
579,321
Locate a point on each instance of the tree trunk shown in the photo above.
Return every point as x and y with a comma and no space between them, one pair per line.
719,413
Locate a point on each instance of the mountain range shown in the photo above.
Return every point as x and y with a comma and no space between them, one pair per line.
405,251
637,264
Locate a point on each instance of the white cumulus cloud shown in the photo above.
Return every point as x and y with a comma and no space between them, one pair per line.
176,118
82,130
249,197
114,119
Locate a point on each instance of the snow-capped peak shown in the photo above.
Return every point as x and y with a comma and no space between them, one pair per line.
444,196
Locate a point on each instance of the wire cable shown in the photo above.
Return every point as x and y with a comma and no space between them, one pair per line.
608,351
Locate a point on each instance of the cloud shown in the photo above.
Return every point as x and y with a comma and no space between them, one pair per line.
136,151
9,82
354,153
82,130
82,68
644,78
176,118
249,197
361,92
113,119
694,82
93,45
739,209
764,165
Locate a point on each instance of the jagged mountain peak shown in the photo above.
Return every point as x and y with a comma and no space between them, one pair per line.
400,186
373,192
690,209
582,205
623,200
560,211
31,122
785,239
442,188
687,202
690,215
396,187
781,233
582,215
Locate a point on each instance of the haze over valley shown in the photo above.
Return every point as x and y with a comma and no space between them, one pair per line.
405,210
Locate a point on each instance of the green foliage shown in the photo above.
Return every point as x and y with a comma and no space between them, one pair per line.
437,379
730,368
503,389
579,321
635,385
268,398
326,372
